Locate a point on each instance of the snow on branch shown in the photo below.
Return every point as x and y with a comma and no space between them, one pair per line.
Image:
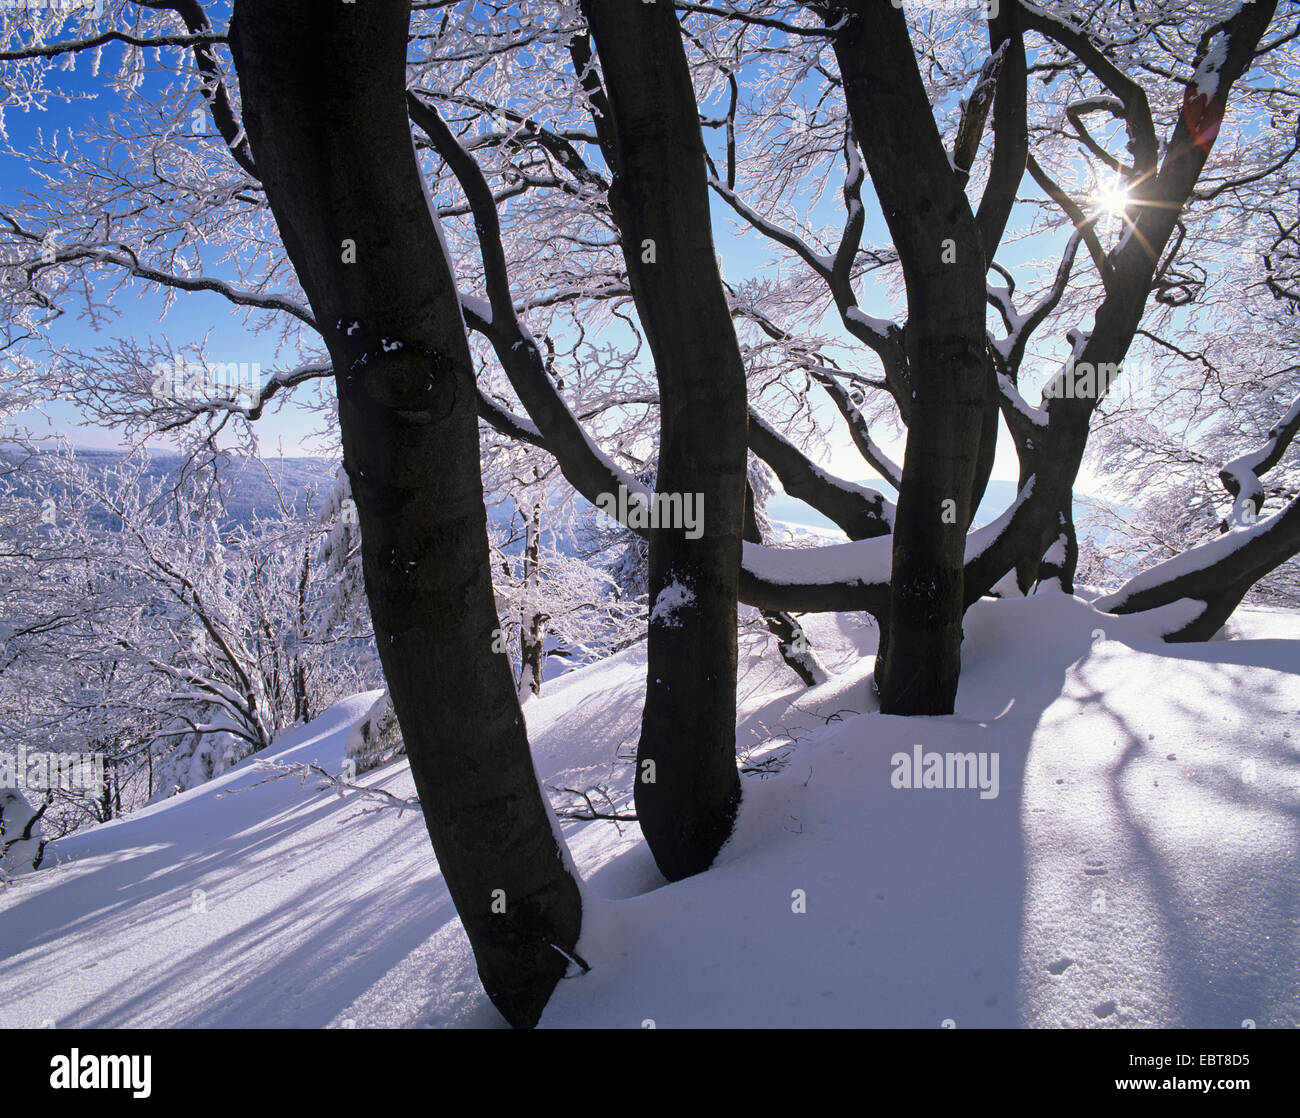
53,50
732,12
1077,110
1024,413
1083,224
592,811
1241,476
1021,327
121,256
819,262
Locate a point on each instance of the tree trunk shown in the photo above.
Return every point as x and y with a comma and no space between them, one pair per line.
687,786
1061,559
532,622
301,697
323,91
943,268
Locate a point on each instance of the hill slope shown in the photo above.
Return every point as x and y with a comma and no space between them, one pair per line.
1137,866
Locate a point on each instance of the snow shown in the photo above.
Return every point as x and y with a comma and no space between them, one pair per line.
854,173
857,563
1006,586
1036,416
1206,80
1015,320
670,599
1137,867
879,326
476,306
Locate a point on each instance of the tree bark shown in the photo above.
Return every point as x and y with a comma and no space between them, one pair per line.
532,622
687,785
323,92
948,364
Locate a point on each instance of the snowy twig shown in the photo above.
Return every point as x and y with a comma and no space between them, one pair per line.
593,813
280,770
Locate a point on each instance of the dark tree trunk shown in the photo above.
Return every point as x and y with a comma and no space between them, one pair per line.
943,268
323,91
532,622
301,697
990,422
1061,559
687,787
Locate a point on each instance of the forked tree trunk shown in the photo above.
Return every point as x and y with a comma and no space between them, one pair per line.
943,268
687,784
323,90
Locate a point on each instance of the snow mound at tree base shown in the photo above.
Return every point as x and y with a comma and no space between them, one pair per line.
377,738
21,842
1137,866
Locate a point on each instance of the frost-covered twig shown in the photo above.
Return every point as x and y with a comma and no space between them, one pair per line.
280,769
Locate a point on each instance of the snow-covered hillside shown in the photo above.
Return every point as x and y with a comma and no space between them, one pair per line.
1138,865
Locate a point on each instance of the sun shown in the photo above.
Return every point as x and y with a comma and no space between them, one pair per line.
1111,198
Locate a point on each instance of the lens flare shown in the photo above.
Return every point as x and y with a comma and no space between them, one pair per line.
1111,199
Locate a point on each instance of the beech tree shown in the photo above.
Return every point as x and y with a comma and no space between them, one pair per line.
407,416
487,220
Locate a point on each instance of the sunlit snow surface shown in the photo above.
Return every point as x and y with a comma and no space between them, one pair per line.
1140,867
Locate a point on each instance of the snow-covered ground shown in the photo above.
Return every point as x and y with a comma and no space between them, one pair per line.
1139,865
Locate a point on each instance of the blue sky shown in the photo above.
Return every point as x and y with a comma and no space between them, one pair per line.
286,426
